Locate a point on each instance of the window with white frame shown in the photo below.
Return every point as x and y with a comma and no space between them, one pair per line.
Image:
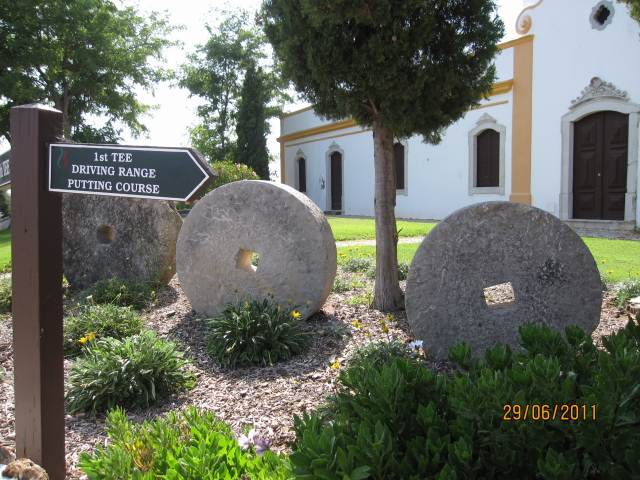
486,157
400,159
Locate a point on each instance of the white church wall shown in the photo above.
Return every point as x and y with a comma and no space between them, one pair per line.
568,52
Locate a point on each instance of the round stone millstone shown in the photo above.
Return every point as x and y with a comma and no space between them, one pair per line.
128,238
227,228
489,268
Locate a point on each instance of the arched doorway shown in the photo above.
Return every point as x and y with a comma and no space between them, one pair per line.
600,152
335,167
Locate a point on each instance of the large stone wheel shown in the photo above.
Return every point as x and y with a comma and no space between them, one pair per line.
296,252
129,238
536,268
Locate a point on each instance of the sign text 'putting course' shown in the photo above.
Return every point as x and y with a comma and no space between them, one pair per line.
141,172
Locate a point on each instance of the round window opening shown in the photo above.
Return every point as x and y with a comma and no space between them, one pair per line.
601,15
105,234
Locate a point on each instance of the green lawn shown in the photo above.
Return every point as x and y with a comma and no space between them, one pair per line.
616,259
364,228
5,249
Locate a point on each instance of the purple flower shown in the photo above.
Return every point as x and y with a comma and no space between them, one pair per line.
262,445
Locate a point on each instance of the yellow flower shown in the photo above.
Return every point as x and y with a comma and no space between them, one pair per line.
296,314
88,338
356,323
335,365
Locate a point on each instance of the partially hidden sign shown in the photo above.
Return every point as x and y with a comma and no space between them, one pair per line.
126,171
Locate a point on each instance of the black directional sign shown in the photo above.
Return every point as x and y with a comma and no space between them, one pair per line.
127,171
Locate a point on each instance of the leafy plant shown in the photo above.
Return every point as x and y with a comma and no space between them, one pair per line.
398,420
100,321
134,372
125,293
403,271
377,354
5,295
627,290
359,265
364,298
340,285
255,333
192,444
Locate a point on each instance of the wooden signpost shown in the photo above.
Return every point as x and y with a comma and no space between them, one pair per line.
40,168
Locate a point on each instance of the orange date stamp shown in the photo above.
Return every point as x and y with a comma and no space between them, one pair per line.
565,412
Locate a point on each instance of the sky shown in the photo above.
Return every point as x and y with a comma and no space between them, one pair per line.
168,124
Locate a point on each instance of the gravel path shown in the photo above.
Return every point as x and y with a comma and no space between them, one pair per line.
266,398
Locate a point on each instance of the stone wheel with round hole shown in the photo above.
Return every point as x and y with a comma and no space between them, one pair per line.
254,240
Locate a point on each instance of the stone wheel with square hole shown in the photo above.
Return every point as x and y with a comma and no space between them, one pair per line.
489,268
253,240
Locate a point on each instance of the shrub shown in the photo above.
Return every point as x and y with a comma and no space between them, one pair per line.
134,372
255,333
125,293
360,265
378,354
627,290
340,285
403,421
5,295
99,321
182,446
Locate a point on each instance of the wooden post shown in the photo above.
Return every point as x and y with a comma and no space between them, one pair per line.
36,248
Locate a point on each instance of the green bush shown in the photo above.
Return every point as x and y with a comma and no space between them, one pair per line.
99,321
134,372
5,295
357,265
255,333
341,285
125,293
627,290
403,421
377,354
182,446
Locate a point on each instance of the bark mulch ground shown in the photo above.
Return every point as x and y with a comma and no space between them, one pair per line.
266,398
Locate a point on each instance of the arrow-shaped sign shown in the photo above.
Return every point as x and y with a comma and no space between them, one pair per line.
127,171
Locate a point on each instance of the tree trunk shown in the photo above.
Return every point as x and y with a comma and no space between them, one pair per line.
387,295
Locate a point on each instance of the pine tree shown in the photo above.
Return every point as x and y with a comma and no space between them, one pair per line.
252,127
401,68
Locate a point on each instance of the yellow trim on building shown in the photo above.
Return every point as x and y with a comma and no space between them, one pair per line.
331,137
282,162
309,132
491,104
515,42
522,121
500,88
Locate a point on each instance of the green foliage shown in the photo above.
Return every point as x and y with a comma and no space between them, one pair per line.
358,265
403,271
124,293
5,295
5,204
215,73
231,172
86,57
99,321
627,290
378,354
400,420
255,333
134,372
187,445
252,127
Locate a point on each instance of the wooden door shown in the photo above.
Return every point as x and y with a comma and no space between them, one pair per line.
600,146
336,181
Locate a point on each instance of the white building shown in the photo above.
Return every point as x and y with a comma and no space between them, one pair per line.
559,131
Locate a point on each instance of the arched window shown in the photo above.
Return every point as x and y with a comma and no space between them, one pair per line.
488,159
399,156
302,174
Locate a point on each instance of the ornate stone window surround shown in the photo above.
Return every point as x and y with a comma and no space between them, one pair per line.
334,147
405,144
296,166
485,122
600,96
